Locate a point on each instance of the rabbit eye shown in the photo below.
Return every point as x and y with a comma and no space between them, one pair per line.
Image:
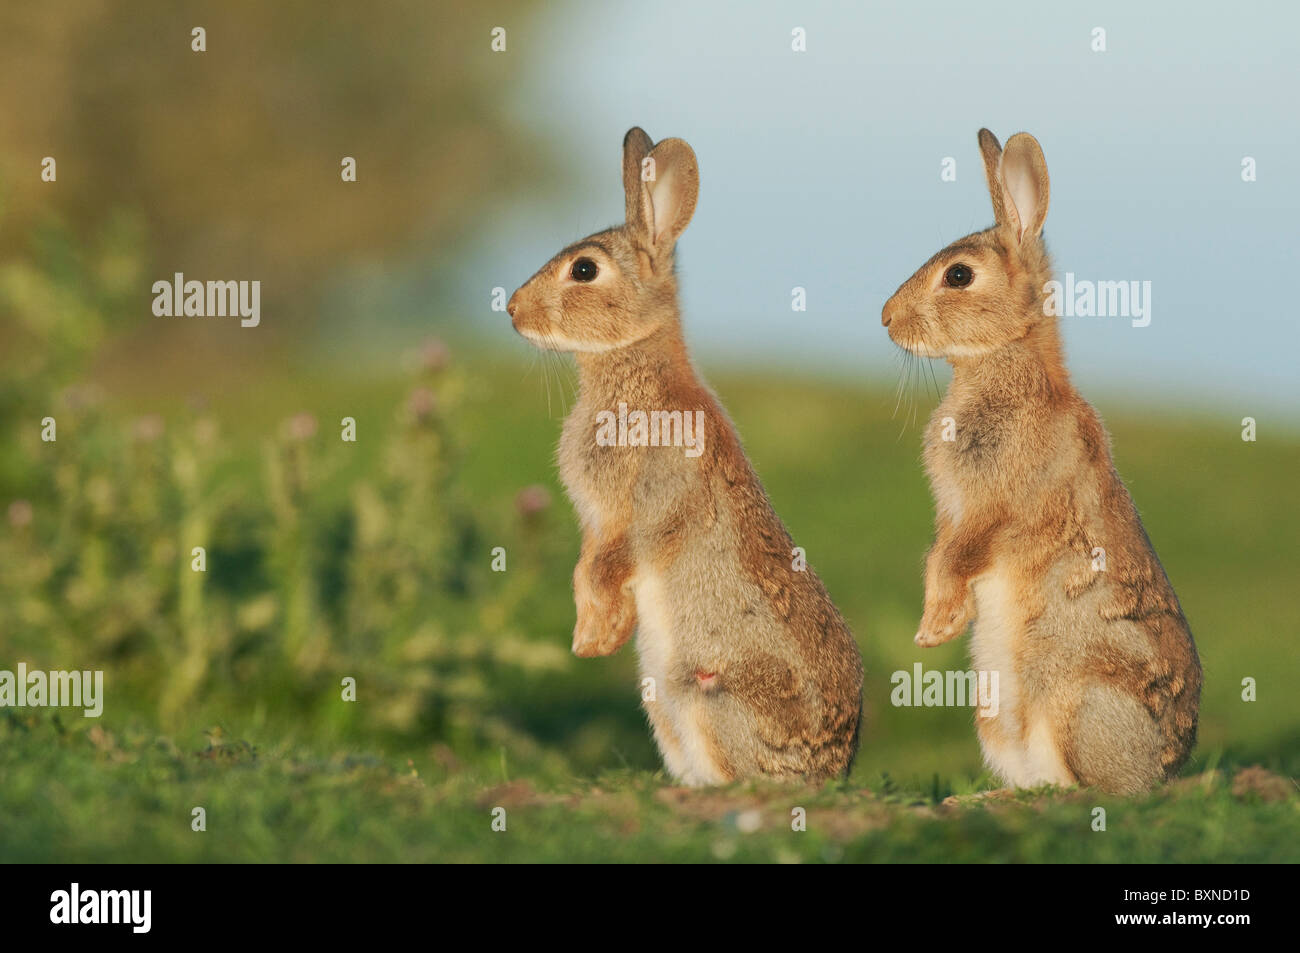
958,276
584,269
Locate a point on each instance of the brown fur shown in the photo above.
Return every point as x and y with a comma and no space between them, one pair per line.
1098,670
754,670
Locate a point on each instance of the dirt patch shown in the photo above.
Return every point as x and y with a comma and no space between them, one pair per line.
1263,784
513,795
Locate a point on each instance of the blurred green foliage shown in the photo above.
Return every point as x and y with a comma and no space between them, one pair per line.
299,587
305,579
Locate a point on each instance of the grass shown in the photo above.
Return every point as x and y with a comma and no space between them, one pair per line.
467,698
294,804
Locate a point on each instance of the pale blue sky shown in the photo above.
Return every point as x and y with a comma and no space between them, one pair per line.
821,169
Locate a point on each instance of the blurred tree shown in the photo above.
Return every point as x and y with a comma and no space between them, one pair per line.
233,155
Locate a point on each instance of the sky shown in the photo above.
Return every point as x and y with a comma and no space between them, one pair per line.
821,169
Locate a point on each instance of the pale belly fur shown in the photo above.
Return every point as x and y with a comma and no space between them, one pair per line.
1018,742
675,714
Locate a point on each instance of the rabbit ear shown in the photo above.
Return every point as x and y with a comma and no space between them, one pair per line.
670,181
636,146
991,152
674,192
1024,179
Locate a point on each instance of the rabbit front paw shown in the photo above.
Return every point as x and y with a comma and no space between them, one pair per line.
943,623
603,629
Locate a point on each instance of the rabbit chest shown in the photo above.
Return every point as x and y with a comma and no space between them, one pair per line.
597,478
961,462
609,476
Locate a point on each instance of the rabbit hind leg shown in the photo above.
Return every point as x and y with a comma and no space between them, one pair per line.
1112,742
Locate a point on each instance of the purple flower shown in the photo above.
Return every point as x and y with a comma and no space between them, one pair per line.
421,403
532,500
301,426
148,428
20,514
434,355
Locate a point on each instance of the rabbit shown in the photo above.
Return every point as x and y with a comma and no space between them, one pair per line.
747,668
1037,540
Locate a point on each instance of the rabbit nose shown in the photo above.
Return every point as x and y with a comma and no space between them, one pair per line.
886,313
513,305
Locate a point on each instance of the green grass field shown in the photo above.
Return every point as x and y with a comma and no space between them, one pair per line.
371,560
